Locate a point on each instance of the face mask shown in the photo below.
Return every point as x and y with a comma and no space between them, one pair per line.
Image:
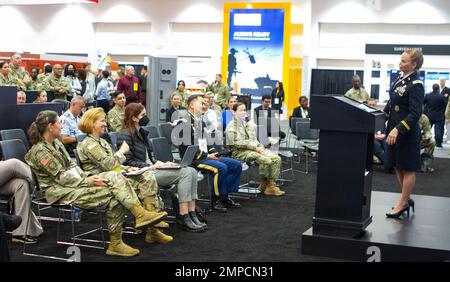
144,121
70,72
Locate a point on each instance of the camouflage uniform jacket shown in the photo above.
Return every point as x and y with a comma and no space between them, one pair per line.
57,175
96,156
115,118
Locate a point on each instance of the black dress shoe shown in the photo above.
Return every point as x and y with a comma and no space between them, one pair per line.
217,205
229,203
188,225
24,239
11,221
195,219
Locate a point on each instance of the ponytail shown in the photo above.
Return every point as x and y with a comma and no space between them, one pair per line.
39,126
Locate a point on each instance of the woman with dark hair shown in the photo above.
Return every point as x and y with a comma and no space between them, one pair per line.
139,156
8,80
181,92
96,156
66,183
404,109
69,73
278,97
41,97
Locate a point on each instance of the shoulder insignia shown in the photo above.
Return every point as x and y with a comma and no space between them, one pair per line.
417,82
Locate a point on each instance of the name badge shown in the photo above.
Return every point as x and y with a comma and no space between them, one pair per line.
277,101
202,145
135,86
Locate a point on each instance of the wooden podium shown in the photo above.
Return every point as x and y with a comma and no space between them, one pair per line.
344,177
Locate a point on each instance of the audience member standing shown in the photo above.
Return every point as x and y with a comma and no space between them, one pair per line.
16,69
221,91
434,109
129,84
6,79
278,97
102,92
57,83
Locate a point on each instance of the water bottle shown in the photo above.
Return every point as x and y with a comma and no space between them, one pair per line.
77,214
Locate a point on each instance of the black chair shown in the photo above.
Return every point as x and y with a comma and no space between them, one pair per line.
66,104
166,131
308,139
80,137
13,149
152,131
161,149
17,133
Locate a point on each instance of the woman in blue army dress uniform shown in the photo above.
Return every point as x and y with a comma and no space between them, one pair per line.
404,109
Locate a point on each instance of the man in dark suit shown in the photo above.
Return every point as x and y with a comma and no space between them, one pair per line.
263,113
435,105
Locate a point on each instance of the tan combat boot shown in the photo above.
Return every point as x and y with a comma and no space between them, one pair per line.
272,189
143,218
151,207
263,184
155,235
118,248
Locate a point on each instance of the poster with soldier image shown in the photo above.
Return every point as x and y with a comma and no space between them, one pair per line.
255,58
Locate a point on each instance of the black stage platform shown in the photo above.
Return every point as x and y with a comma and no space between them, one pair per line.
424,236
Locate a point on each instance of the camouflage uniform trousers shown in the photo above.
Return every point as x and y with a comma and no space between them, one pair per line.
115,199
428,146
145,186
269,166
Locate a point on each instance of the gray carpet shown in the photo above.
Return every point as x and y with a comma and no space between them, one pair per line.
265,229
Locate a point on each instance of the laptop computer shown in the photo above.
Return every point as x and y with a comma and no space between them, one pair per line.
187,160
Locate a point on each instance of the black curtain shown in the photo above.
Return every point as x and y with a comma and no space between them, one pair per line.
333,82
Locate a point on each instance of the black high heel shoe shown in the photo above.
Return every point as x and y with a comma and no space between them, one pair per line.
411,203
400,212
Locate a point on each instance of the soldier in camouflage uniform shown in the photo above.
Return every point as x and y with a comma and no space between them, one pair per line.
6,79
34,83
96,156
357,92
65,183
427,142
180,92
57,83
221,91
246,147
16,70
116,115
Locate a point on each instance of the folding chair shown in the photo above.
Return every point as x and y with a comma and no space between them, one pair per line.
16,149
308,139
17,133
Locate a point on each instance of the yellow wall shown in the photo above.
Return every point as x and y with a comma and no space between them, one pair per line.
291,66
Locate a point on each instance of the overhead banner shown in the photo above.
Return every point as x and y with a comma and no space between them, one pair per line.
255,50
103,60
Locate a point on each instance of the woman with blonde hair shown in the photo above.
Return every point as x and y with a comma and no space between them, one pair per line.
96,156
65,183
